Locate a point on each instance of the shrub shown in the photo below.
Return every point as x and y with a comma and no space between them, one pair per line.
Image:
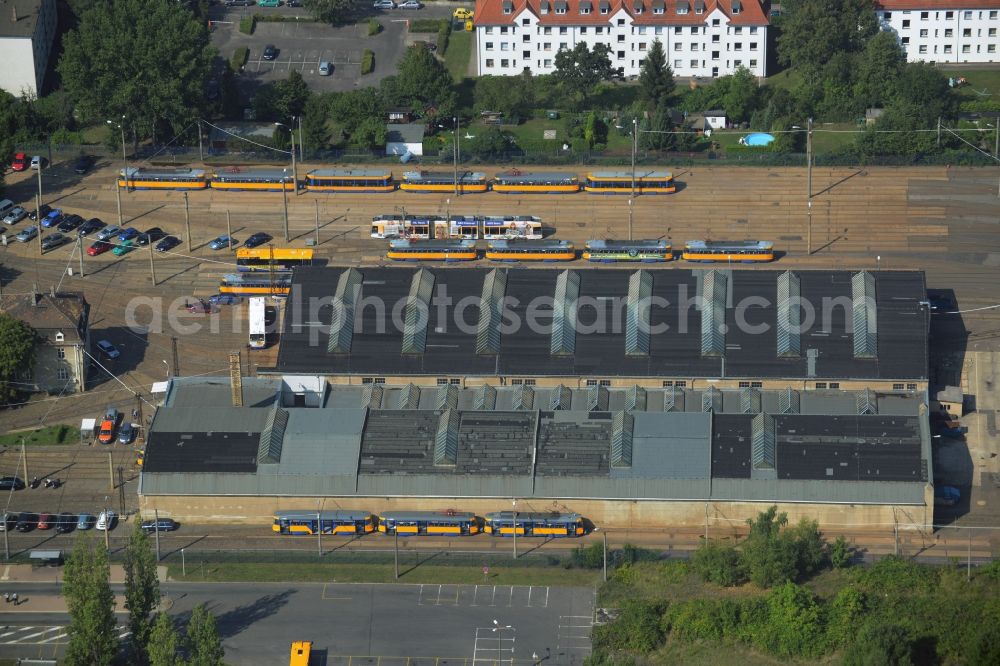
374,27
637,628
589,557
239,58
248,24
425,25
367,62
881,645
795,625
444,34
841,553
719,564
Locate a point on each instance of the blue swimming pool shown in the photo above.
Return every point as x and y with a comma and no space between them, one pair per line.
757,139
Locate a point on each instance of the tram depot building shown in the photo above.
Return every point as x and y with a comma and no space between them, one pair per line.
636,398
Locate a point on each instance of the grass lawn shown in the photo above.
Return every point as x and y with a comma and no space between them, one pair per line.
333,572
459,52
786,79
57,434
530,135
980,81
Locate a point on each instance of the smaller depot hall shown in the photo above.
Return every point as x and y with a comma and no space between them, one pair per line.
630,457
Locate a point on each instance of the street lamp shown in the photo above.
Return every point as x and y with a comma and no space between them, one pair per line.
291,132
118,194
168,367
514,517
455,150
498,630
878,262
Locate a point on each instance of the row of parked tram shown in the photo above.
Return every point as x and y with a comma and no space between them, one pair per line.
602,251
513,181
430,523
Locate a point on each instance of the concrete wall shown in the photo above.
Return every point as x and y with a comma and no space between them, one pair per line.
619,514
45,373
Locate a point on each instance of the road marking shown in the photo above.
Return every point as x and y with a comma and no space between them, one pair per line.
6,573
326,598
40,633
475,594
55,638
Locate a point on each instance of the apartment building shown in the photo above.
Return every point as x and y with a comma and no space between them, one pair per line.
27,31
955,31
700,37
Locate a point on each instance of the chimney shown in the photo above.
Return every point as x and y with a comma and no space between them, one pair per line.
236,378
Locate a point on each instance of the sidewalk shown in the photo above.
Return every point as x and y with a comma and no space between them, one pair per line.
49,603
26,573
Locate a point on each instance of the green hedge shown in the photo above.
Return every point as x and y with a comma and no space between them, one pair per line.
444,34
278,18
374,27
367,62
247,24
239,58
425,25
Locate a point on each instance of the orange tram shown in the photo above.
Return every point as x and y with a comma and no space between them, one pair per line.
430,523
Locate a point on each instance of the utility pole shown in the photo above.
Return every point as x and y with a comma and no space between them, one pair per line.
395,542
152,271
295,170
809,184
79,244
316,239
111,472
229,229
176,357
939,132
301,154
319,533
24,461
40,230
39,172
284,201
968,564
118,199
201,153
156,531
187,221
514,504
454,150
635,141
605,534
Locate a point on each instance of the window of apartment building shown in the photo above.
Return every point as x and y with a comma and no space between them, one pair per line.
924,16
948,32
599,29
489,62
911,387
905,41
694,30
991,48
642,30
563,45
753,64
547,30
605,9
923,33
694,47
61,352
547,46
642,46
525,21
489,30
821,385
906,23
835,385
694,63
715,23
584,10
641,60
560,9
504,46
62,373
526,55
897,387
753,30
947,48
583,30
922,48
678,64
563,30
621,38
738,63
503,30
678,30
887,15
967,15
715,39
715,55
489,46
526,38
658,30
548,62
505,63
682,9
678,46
993,15
993,32
442,381
738,30
966,48
967,32
753,46
621,55
621,21
657,10
736,9
947,15
699,9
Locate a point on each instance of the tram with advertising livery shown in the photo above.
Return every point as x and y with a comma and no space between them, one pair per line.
609,251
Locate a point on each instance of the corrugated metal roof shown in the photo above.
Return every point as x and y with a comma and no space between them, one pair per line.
322,442
210,419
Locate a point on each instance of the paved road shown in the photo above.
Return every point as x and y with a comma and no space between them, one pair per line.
452,622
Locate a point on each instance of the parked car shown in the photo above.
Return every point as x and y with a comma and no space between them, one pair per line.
53,241
53,219
107,520
11,483
224,299
463,14
325,68
27,234
269,3
293,3
240,3
9,521
45,521
410,4
37,162
223,241
90,226
65,522
128,234
85,521
70,222
15,215
256,239
200,307
99,247
82,164
106,435
109,232
123,248
20,162
26,521
126,432
42,210
161,525
270,52
167,243
384,4
150,236
107,349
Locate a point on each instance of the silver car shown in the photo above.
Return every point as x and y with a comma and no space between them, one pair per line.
27,234
108,232
15,215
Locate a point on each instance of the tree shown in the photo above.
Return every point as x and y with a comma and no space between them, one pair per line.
841,553
513,96
204,647
93,635
656,79
422,80
329,11
770,560
740,99
351,108
489,142
282,100
315,133
879,645
719,564
371,133
17,353
878,70
146,60
813,30
163,643
579,70
595,131
142,589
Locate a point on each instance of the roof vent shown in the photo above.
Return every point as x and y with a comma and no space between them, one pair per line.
490,312
485,397
564,314
866,402
863,311
749,401
762,448
635,399
447,397
640,289
416,314
446,439
789,314
342,319
561,398
372,396
621,440
598,398
523,398
788,401
711,400
670,395
409,397
272,436
713,314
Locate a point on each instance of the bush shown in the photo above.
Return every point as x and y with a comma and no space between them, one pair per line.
425,25
719,564
239,58
444,35
367,62
882,645
589,557
374,27
248,24
841,553
637,628
795,624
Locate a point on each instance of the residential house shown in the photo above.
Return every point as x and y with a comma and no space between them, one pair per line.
955,31
27,30
401,139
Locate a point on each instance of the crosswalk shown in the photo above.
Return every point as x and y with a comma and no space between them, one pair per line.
42,635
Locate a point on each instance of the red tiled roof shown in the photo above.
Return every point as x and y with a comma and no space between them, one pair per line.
893,5
490,12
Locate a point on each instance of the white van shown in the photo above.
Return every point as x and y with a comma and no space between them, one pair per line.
5,207
325,68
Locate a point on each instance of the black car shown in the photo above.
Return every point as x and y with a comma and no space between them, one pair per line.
8,522
258,238
42,211
240,3
90,226
293,3
11,483
161,525
26,522
150,236
69,223
65,522
82,164
167,243
270,52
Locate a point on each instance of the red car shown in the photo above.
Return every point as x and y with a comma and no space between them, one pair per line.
20,162
99,247
200,307
45,521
